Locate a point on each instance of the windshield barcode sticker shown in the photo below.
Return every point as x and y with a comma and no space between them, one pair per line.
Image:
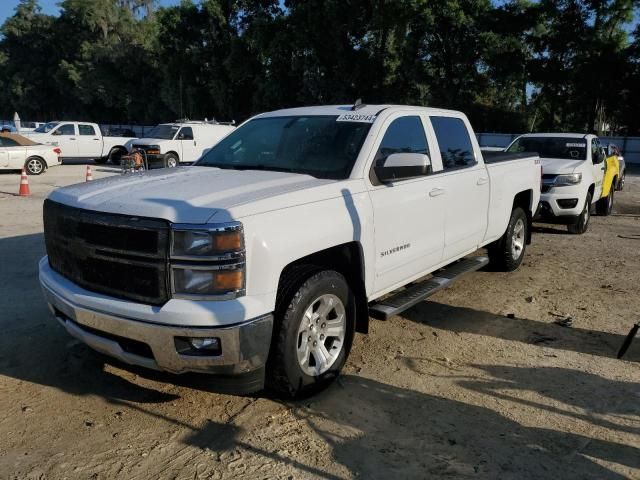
354,117
579,145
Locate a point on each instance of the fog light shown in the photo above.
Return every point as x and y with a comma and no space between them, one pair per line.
198,346
568,202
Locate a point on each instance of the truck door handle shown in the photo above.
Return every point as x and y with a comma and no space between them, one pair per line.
72,139
436,192
482,181
97,139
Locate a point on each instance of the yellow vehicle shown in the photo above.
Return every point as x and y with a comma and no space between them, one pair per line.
609,183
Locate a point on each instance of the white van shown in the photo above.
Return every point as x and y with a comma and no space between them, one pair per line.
168,144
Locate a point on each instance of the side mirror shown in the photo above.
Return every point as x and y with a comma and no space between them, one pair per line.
400,166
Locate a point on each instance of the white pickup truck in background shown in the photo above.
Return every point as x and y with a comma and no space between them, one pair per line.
81,140
263,260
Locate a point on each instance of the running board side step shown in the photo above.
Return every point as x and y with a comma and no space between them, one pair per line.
414,294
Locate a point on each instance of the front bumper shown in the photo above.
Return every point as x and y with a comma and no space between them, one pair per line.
551,211
244,346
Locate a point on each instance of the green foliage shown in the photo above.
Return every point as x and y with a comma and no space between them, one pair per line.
512,66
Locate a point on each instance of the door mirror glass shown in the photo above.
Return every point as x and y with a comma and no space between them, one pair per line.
400,166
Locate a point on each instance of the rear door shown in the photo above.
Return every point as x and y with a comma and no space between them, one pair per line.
189,145
408,214
65,136
89,141
465,181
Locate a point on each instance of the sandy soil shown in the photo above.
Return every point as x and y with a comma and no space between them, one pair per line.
477,383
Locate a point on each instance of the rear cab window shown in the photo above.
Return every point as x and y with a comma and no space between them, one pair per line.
454,142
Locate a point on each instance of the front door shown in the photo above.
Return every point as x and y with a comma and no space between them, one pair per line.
408,214
466,185
65,137
189,145
599,165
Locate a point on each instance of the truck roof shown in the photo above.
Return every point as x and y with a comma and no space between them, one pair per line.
560,134
336,110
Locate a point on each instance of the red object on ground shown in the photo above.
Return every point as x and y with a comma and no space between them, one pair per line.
24,185
89,176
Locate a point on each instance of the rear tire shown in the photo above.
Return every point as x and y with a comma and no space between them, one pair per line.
621,182
35,166
507,253
604,206
582,224
313,333
115,155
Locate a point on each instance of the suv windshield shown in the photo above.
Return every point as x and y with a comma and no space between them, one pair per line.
47,127
321,146
163,132
564,148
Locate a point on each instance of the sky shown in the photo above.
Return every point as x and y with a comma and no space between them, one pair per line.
7,7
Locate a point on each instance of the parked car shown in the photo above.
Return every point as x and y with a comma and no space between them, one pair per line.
27,126
81,140
613,149
17,152
264,259
574,169
169,144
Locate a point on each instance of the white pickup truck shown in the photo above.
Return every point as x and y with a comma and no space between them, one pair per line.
262,260
574,169
81,140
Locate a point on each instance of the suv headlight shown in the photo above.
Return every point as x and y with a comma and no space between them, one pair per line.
568,179
207,263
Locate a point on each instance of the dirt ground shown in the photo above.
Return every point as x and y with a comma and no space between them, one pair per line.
479,382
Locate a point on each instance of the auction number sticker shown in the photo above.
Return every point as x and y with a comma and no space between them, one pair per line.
579,145
354,117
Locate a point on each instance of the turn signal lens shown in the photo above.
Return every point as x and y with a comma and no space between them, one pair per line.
227,241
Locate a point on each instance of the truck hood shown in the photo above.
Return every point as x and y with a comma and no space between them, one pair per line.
196,194
559,166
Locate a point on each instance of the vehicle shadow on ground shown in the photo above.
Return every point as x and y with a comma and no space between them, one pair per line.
587,395
377,430
532,332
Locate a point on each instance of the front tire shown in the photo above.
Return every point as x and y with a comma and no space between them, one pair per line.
315,324
507,253
582,224
35,166
170,160
604,206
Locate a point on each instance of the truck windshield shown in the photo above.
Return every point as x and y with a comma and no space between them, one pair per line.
163,132
321,146
47,127
562,148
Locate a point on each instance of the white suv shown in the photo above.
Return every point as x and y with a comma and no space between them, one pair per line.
168,144
573,167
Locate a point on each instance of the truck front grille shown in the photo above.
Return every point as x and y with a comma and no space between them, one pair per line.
117,255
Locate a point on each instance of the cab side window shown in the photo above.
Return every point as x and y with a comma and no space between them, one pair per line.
186,134
454,142
404,135
65,129
86,130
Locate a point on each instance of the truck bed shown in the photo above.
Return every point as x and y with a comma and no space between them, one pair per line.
495,157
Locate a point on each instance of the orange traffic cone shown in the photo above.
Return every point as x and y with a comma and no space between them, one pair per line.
89,176
24,185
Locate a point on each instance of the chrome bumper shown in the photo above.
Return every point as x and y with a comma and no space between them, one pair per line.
244,347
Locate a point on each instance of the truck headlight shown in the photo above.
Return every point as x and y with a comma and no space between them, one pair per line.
568,179
153,150
207,262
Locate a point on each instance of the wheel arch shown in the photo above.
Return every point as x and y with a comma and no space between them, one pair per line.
39,157
524,200
347,259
